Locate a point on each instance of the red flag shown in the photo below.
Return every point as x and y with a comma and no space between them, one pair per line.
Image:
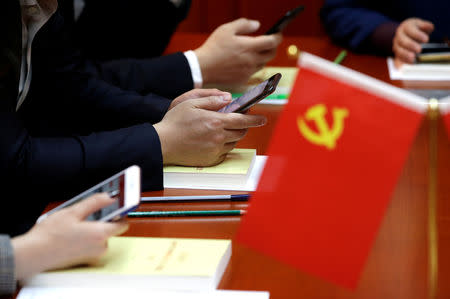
444,108
334,159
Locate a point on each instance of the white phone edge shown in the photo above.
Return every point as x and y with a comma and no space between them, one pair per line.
132,193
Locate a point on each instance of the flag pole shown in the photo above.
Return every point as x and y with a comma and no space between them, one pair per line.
433,115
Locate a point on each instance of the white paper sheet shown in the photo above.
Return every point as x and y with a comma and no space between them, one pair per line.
120,293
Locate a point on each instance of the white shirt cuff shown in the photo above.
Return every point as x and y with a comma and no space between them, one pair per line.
195,68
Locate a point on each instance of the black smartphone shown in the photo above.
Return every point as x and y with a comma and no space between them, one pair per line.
434,52
285,20
253,96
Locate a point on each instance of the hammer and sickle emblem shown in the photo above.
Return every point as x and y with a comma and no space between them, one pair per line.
326,136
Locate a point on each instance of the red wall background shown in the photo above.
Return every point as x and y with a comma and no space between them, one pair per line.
206,15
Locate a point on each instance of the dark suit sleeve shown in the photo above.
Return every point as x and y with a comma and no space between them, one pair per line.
92,128
82,102
72,131
168,76
350,23
46,162
36,170
67,88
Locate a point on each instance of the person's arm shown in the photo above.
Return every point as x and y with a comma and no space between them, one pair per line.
168,76
408,39
7,273
71,94
350,23
42,162
65,83
193,133
231,55
65,239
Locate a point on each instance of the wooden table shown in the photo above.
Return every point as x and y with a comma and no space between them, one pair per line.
398,264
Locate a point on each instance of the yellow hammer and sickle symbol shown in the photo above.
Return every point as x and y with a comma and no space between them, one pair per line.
326,136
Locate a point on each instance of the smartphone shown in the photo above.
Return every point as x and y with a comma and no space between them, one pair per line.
434,52
253,96
124,186
285,20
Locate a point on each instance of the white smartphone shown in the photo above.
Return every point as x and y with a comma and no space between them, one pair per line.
124,186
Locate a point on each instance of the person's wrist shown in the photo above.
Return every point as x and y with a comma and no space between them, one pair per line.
382,38
204,62
165,146
26,248
173,103
19,249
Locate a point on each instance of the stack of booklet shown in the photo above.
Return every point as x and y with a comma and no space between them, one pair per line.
419,71
240,171
163,267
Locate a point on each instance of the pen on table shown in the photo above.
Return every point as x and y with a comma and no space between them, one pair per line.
233,197
276,96
340,57
186,213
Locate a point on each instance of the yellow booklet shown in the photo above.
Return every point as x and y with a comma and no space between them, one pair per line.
288,76
279,97
233,171
159,263
283,90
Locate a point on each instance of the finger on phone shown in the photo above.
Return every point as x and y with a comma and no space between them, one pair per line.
92,204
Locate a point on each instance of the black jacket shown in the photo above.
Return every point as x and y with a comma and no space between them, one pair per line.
79,124
111,29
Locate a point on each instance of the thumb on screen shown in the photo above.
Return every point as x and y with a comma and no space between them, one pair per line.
91,204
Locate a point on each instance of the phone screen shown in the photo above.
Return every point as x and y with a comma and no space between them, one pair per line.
434,53
252,96
435,48
245,98
115,189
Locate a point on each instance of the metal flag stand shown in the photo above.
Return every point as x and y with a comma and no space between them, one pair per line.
433,115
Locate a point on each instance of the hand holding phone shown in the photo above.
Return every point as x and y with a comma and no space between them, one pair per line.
285,20
253,96
125,187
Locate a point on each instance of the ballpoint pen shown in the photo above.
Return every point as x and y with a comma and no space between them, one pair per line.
199,213
340,57
232,197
